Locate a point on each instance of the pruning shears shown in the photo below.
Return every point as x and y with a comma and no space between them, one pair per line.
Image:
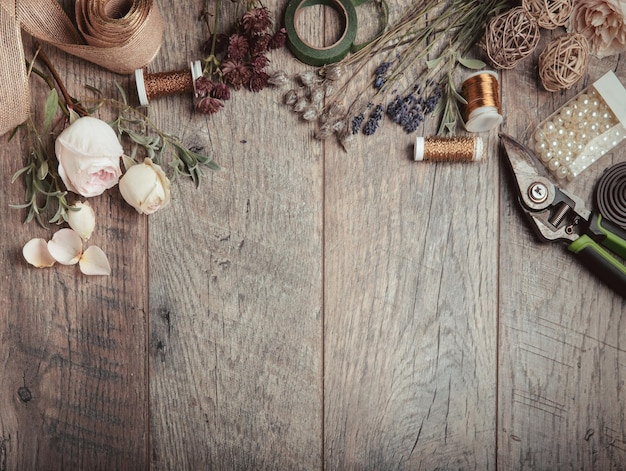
558,215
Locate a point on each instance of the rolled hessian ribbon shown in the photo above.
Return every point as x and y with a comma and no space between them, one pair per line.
119,35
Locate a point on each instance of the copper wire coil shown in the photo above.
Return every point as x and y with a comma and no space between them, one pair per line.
168,83
481,90
448,149
483,110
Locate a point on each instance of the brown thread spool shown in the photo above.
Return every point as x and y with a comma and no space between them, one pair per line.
482,93
448,149
160,84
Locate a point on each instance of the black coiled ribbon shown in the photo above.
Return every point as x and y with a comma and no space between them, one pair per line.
611,194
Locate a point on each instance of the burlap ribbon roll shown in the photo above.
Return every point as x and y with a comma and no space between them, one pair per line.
119,35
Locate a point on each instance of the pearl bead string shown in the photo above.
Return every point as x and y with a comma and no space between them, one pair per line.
581,132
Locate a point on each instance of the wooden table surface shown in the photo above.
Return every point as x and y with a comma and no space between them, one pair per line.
308,308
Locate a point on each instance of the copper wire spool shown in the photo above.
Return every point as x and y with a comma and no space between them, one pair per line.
448,149
483,109
156,85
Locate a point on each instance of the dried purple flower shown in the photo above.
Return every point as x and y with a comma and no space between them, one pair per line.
278,40
220,91
209,105
237,46
256,21
259,63
373,120
236,73
221,44
203,86
258,81
259,44
357,121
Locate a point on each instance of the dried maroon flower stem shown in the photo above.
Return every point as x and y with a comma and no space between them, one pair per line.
239,59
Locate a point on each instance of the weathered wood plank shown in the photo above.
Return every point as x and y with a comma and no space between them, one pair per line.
410,306
561,358
72,348
235,287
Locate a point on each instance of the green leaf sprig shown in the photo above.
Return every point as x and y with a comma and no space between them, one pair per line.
146,137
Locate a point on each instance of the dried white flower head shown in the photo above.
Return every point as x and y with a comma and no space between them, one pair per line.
316,94
300,105
278,78
603,23
333,71
310,113
324,132
308,78
291,97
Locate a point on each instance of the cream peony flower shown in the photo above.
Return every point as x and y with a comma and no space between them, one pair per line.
89,156
145,187
602,22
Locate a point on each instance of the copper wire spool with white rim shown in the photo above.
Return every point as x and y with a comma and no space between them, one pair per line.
160,84
448,149
482,92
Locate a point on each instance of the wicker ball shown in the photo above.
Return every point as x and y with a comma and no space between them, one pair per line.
564,62
510,37
549,14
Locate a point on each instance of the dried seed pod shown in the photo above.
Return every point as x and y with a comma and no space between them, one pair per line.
329,88
333,71
316,94
308,78
278,79
310,113
300,105
335,109
291,97
339,125
324,132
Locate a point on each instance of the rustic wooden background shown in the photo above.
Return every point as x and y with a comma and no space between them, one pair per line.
307,308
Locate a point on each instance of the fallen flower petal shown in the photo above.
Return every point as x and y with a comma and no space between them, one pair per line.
36,253
66,246
94,262
82,219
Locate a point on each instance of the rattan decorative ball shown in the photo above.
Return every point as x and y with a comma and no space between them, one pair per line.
549,14
564,62
510,37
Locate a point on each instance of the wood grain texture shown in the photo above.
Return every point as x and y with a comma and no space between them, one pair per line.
236,285
561,361
72,348
307,308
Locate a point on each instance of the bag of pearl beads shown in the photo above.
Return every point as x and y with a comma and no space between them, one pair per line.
584,129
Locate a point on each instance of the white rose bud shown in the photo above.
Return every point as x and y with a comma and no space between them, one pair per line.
145,187
89,156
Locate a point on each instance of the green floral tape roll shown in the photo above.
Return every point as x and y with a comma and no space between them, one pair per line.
323,55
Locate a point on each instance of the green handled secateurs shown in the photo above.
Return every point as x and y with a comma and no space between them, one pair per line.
558,215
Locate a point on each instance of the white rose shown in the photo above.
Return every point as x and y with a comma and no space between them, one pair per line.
89,156
602,23
145,187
